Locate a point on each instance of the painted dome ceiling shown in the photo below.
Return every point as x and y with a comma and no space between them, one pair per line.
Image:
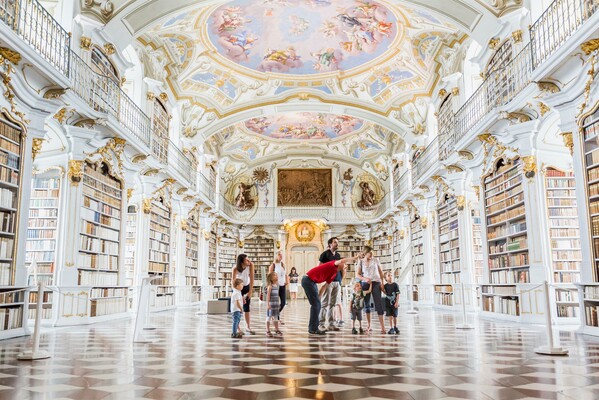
302,36
304,125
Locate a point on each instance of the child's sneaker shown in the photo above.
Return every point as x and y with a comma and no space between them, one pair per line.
354,331
396,330
361,331
391,331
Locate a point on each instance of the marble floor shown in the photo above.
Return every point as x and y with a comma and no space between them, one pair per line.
195,358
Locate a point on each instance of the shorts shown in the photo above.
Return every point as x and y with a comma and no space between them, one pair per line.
391,311
356,315
246,305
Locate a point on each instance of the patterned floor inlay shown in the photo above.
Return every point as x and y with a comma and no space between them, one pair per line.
194,357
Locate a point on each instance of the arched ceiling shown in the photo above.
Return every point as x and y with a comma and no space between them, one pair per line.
275,75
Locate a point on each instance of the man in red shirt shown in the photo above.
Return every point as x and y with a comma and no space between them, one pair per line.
326,272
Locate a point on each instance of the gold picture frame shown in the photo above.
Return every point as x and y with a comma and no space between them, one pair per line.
305,187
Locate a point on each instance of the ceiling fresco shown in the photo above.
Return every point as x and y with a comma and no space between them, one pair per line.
304,125
302,36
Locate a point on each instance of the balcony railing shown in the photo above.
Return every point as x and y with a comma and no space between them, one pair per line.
561,19
426,160
205,187
35,25
404,183
550,32
183,164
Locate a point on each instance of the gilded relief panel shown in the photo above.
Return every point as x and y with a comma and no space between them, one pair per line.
304,187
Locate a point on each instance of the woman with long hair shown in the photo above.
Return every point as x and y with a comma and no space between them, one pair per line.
244,270
369,272
293,283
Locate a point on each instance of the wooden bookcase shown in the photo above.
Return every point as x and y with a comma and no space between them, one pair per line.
160,263
564,237
42,237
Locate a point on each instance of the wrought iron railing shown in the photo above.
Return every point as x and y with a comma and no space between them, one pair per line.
404,183
559,21
205,187
30,20
182,163
103,95
426,160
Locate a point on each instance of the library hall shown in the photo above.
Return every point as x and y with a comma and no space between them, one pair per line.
299,199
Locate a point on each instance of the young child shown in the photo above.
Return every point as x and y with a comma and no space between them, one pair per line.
357,305
273,303
391,302
237,307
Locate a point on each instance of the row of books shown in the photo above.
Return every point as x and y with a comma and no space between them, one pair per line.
159,246
99,261
557,233
158,267
501,305
505,186
43,213
566,277
445,299
39,256
568,311
41,233
452,254
95,219
11,318
40,245
592,158
108,189
450,266
46,183
159,256
12,297
46,297
101,196
566,295
7,219
7,198
9,175
99,307
565,244
450,278
591,314
509,214
9,159
45,314
160,213
567,265
107,209
506,276
6,247
109,292
563,212
191,280
101,176
97,278
501,231
157,235
9,146
163,301
502,174
10,133
593,174
97,245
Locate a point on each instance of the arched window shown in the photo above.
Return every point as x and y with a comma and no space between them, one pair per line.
102,65
160,119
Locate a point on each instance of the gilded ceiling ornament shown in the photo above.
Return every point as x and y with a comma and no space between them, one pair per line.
61,115
75,171
139,158
424,188
442,92
130,193
494,43
260,175
529,166
454,168
184,224
590,46
476,191
460,202
515,117
10,55
466,154
182,190
54,93
109,49
241,243
455,91
150,172
150,96
146,205
517,36
36,146
568,139
164,97
102,8
423,222
85,43
548,87
112,155
419,129
543,108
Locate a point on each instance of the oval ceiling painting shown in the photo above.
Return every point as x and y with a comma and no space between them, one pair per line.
302,36
304,125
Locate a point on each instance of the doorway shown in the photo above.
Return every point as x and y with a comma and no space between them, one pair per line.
303,258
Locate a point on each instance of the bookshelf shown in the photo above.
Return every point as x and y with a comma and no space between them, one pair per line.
130,244
212,261
449,251
590,148
13,303
10,182
191,252
506,224
42,236
396,255
261,251
590,301
159,264
381,247
501,299
227,259
477,243
564,236
417,256
350,246
99,240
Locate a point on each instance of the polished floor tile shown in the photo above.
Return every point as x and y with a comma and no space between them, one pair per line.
194,357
